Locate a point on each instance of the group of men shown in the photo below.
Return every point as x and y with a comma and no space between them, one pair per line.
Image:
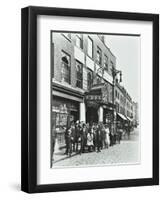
81,137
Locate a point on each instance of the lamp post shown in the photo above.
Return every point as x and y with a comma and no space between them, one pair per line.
115,72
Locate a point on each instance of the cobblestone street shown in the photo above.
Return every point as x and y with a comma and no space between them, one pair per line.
127,152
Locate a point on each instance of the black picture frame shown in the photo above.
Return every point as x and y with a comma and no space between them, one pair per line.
29,98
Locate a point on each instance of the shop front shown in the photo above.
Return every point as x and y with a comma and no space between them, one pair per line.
108,115
98,105
121,121
64,112
66,108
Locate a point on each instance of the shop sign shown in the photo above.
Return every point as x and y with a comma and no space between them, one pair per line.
93,97
61,108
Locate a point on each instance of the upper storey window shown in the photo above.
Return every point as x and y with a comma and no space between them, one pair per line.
65,67
90,47
99,56
105,62
79,41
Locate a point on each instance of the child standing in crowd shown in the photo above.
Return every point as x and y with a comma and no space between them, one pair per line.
90,140
107,138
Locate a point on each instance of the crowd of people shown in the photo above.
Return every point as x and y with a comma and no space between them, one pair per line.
81,137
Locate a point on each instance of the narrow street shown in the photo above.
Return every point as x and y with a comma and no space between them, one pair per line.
127,152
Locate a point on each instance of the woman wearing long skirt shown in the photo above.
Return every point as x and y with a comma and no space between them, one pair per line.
107,138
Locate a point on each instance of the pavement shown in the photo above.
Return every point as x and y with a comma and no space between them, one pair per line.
127,152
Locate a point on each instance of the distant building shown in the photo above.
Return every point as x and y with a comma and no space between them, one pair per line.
135,114
124,104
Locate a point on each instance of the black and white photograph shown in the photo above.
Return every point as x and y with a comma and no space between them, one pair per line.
90,99
95,99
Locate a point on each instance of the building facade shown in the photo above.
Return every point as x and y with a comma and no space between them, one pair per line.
81,68
135,114
82,82
124,104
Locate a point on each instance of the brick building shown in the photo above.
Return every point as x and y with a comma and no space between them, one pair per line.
82,82
124,104
81,68
135,114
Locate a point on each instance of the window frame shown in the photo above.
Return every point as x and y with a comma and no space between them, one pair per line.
81,73
69,66
90,39
80,37
67,36
100,58
89,86
106,62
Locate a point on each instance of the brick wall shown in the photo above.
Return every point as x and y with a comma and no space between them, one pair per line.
61,43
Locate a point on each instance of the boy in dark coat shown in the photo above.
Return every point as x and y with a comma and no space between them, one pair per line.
99,139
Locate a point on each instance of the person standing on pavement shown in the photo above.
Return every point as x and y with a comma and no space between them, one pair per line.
120,132
53,141
68,139
94,127
73,136
112,135
98,138
90,140
128,131
77,135
83,134
103,135
107,138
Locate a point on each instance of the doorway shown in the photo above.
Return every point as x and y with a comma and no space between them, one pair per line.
91,115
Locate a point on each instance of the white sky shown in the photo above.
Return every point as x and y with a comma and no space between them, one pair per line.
127,52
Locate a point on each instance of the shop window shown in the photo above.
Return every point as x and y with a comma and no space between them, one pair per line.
66,66
90,47
79,41
89,80
61,124
79,74
99,56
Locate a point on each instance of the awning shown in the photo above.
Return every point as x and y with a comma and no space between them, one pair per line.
121,116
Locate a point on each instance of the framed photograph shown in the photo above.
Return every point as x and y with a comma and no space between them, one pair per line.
90,99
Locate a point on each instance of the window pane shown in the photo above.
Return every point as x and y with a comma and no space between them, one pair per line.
106,62
65,72
90,47
99,55
89,80
79,41
79,75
